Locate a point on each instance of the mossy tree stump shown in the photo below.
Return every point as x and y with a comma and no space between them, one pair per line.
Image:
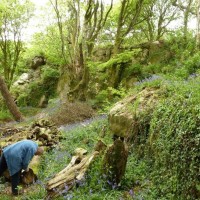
114,163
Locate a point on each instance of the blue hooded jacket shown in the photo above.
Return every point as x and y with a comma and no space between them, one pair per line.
19,155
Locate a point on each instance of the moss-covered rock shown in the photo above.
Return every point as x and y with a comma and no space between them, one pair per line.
124,116
37,86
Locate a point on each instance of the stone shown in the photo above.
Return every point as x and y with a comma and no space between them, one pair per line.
23,79
43,102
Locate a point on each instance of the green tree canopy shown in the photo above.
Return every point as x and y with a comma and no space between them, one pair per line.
14,16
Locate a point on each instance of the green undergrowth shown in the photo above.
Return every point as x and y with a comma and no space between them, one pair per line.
5,116
175,141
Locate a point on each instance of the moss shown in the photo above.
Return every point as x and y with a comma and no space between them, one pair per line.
118,59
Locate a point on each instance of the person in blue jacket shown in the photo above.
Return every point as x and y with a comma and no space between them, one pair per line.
16,157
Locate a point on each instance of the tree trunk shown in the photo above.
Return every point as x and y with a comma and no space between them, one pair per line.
186,18
198,24
9,101
114,163
118,38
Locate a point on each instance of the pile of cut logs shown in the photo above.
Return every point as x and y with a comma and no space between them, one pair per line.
42,131
45,132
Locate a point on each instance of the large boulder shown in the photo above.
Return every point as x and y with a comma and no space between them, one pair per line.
124,116
37,62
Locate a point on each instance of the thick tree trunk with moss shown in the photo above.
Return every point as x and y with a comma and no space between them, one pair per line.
9,101
115,75
80,90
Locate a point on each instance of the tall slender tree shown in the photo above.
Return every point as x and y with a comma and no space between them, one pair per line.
198,24
158,15
188,8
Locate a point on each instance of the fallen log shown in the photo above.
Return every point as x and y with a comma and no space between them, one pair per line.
72,174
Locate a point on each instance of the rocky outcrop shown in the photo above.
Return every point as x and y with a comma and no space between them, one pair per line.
124,116
37,86
22,86
34,73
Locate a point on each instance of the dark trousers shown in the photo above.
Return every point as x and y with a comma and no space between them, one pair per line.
15,179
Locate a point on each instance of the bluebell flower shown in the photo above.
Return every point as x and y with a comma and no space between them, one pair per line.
68,196
131,192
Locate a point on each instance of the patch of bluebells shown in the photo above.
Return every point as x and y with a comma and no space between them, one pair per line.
191,76
68,196
148,79
80,183
69,127
39,182
61,154
131,193
113,185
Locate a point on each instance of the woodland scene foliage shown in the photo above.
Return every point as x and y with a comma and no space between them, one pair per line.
101,70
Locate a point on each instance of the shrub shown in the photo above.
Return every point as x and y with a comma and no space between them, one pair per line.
193,64
34,94
152,68
125,57
133,70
